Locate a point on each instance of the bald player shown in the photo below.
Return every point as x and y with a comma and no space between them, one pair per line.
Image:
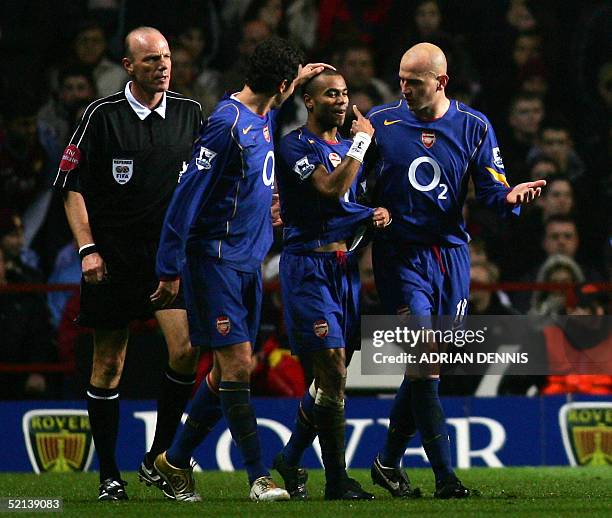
117,175
429,147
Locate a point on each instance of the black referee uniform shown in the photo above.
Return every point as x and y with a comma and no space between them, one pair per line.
125,160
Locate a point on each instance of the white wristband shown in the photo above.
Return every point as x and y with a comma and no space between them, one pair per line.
361,142
86,246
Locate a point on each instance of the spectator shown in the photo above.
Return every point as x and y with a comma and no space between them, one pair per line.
26,336
558,197
524,119
426,24
341,21
302,16
485,302
89,47
559,269
542,167
253,33
365,99
271,12
183,80
28,153
62,110
577,345
19,261
575,349
356,63
202,47
556,143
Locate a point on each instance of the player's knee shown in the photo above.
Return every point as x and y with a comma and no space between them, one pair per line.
107,369
184,360
236,372
332,381
329,399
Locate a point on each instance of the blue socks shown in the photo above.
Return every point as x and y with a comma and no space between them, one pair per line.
417,405
204,413
402,427
304,432
237,409
429,417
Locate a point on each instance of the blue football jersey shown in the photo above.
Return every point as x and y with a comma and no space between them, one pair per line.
222,202
423,171
311,219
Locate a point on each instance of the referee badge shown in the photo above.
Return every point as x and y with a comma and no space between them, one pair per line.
223,325
321,328
122,170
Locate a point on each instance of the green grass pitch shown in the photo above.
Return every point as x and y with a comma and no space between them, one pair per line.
509,491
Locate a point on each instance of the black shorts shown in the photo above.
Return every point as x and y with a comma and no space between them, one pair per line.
123,296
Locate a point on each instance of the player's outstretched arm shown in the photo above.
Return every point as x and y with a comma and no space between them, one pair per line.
525,192
336,183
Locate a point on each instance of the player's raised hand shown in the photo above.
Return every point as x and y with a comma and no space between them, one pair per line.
165,293
525,192
361,123
93,268
275,211
310,70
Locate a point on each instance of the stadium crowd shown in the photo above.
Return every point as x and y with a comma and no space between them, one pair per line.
541,71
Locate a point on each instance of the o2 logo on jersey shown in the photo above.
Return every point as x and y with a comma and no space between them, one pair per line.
204,161
435,181
335,159
268,177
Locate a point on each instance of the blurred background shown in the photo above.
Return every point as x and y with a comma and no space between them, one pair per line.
540,70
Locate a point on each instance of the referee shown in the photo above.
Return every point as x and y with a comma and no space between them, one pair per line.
118,174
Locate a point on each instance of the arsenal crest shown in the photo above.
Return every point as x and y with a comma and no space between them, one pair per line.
428,138
58,441
335,159
587,433
266,133
223,325
321,328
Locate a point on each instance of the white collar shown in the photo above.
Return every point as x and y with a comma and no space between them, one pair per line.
141,110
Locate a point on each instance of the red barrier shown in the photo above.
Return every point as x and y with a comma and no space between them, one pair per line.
269,287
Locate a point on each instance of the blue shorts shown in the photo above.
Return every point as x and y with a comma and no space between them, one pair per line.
223,304
422,280
321,300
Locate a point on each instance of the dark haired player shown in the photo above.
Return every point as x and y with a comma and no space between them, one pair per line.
318,182
219,220
430,146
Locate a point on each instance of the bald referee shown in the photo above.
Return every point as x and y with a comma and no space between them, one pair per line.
118,174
